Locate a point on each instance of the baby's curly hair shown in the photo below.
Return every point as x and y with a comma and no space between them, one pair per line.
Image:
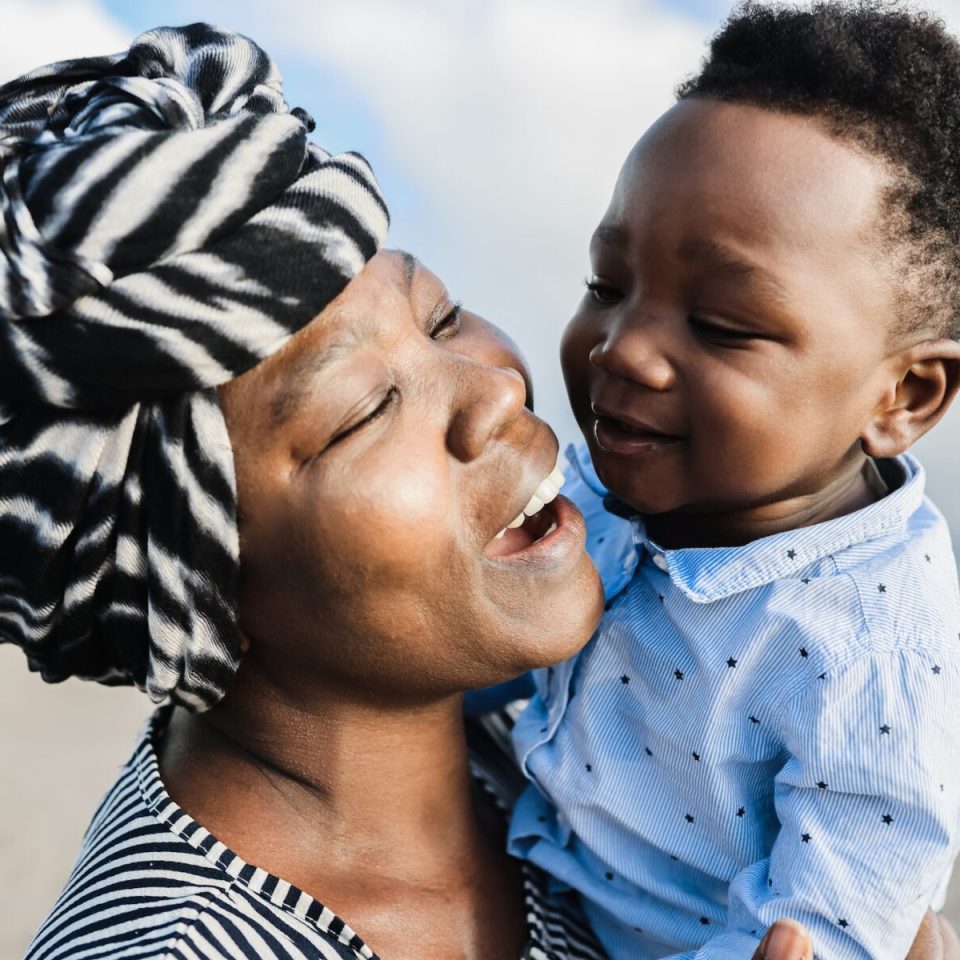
886,79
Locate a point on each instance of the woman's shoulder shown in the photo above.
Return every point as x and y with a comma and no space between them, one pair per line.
152,881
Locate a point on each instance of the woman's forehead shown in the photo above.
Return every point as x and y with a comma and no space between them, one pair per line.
383,296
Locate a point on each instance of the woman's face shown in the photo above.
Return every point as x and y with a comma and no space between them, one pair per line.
378,455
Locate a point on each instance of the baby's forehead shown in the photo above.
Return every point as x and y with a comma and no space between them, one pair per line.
746,173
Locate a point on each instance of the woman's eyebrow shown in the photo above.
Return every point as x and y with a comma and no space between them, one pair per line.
301,374
410,264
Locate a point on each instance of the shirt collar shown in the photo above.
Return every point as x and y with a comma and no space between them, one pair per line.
706,574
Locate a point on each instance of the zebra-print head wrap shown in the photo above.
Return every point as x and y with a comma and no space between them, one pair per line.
164,225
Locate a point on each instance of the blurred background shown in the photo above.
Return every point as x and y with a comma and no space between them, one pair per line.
497,128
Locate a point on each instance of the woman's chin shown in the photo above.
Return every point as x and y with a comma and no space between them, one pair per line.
564,630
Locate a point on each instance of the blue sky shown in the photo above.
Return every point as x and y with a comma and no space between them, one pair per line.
496,127
347,119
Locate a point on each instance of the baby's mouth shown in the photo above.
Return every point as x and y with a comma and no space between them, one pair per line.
536,521
621,436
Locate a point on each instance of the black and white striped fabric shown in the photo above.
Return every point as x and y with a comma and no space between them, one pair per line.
150,882
165,224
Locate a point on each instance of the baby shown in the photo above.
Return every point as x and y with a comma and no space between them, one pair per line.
767,722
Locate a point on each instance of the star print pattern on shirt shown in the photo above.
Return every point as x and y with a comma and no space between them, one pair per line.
827,793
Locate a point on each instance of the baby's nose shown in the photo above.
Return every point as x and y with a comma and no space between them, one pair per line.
634,353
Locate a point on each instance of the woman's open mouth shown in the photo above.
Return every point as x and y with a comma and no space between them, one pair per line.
539,519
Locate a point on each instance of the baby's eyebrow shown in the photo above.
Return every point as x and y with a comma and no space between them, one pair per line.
609,235
723,259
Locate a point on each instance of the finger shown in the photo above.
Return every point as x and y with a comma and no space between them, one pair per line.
787,940
928,943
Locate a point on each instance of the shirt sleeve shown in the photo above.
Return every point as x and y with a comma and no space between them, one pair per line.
867,801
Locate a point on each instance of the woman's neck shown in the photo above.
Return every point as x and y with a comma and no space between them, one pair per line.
345,777
364,806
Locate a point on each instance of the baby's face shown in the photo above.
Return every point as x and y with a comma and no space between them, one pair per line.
732,343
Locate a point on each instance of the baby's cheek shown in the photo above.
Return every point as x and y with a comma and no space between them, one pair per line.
747,442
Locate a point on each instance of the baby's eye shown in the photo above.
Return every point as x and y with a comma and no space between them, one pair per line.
602,292
709,330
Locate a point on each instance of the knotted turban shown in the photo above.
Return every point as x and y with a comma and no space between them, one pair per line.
165,224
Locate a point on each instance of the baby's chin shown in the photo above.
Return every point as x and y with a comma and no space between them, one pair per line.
627,485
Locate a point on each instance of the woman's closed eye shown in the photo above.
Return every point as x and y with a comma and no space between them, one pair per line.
446,325
371,408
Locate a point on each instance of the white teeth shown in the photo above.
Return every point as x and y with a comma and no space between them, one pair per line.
501,534
547,490
534,506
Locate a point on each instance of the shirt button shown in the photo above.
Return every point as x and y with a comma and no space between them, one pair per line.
660,561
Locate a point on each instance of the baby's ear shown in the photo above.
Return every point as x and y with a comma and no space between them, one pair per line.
926,377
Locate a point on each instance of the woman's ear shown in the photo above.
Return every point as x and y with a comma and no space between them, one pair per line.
927,380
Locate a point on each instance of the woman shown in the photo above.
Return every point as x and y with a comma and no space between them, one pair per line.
243,467
169,227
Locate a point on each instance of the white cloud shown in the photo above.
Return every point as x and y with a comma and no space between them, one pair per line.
36,32
509,117
512,117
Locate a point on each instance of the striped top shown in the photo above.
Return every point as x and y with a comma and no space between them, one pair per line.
756,732
150,882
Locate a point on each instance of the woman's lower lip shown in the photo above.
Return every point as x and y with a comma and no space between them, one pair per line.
565,542
614,438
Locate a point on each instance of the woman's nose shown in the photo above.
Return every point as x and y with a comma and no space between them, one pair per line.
489,400
632,352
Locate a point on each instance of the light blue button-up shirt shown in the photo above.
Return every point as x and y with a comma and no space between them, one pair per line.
756,732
